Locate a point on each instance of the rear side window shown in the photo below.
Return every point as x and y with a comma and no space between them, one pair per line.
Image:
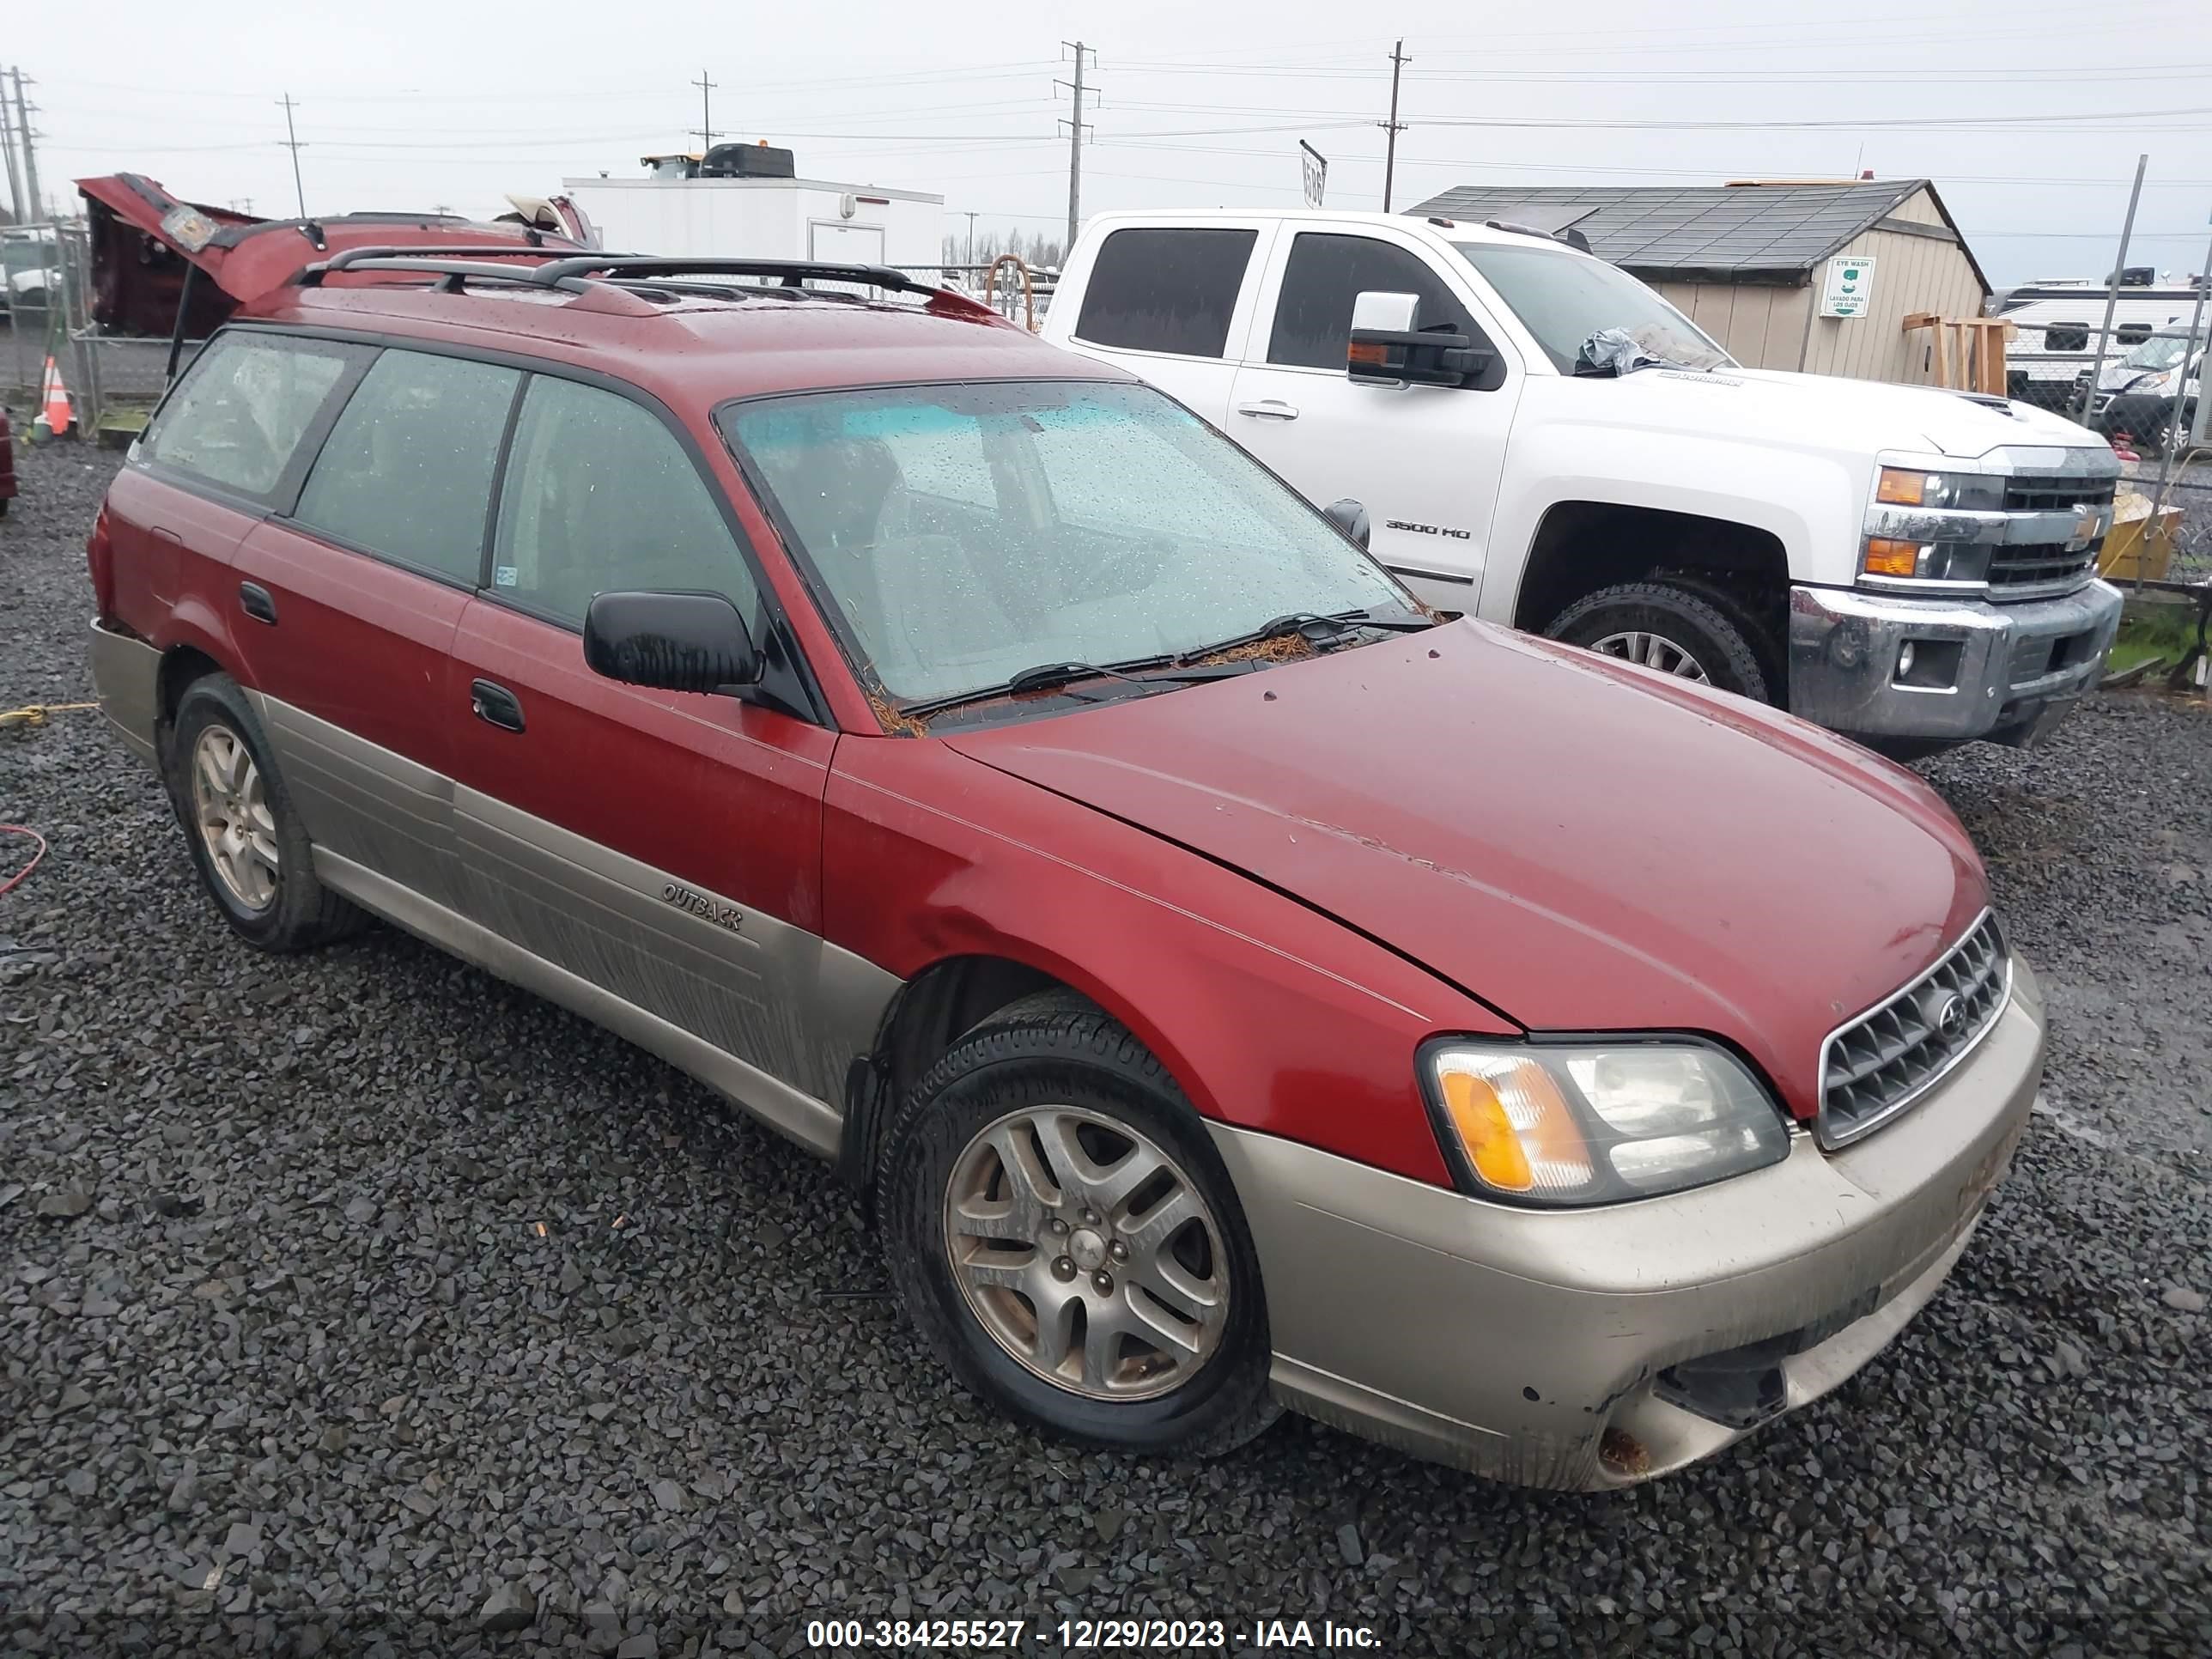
407,470
1166,290
237,418
1326,274
599,497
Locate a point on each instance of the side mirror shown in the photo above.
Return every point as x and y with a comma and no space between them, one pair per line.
1387,350
670,642
1350,517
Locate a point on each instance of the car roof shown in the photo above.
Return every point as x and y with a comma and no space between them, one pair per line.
1448,230
692,350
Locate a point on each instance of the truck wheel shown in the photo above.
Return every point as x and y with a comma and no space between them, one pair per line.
1675,629
251,850
1063,1237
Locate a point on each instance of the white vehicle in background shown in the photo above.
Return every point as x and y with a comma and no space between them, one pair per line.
1538,438
31,261
2138,397
2056,324
746,202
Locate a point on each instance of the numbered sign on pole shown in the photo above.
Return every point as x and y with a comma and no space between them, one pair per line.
1315,165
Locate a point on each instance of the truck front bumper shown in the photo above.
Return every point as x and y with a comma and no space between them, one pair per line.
1874,666
1592,1349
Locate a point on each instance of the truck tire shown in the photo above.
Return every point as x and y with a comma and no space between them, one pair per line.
1673,628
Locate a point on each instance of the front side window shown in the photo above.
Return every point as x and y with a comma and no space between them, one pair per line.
1089,522
1564,298
237,418
1166,290
600,498
1326,273
406,472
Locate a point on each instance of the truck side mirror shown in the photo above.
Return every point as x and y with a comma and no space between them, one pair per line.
1386,349
1350,517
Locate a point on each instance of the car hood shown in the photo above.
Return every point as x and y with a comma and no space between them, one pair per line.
1584,845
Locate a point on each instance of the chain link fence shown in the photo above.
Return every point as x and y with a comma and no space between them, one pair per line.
49,315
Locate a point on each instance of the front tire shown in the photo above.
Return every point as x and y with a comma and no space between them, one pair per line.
1065,1239
246,839
1675,630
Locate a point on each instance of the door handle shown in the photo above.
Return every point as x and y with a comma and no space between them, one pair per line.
255,601
496,705
1269,409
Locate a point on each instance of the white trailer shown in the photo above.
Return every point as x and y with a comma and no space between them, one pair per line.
764,219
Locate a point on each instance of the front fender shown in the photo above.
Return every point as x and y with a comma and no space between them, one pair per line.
1809,502
1270,1016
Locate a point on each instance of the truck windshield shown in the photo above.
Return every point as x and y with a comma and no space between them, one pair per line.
1564,298
964,533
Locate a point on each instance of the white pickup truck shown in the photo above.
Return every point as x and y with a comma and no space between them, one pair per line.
1540,440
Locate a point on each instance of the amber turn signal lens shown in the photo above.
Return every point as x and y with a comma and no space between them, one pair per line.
1899,488
1486,1133
1885,557
1369,354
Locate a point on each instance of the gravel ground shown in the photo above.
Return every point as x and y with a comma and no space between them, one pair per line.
361,1304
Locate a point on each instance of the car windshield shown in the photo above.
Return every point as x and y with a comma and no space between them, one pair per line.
967,532
2160,351
1564,298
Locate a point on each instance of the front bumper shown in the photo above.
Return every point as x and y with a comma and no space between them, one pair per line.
1577,1349
2006,671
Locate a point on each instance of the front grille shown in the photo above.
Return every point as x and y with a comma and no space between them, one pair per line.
2048,566
1883,1061
2044,494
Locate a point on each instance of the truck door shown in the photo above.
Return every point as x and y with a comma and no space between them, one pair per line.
1425,460
1171,304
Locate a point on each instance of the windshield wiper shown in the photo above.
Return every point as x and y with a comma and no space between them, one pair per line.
1052,676
1309,623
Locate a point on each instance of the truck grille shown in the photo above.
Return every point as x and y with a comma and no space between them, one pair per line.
2044,567
1883,1061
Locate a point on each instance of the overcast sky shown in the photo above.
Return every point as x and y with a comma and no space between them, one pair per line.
407,103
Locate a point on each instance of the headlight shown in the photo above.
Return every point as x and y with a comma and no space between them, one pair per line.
1943,562
1570,1124
2150,382
1900,486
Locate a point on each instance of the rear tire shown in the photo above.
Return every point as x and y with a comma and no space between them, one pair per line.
246,839
1673,627
1012,1305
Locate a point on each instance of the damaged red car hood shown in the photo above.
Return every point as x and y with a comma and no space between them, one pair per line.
1584,845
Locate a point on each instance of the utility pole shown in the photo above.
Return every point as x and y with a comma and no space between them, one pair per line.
971,239
706,127
1075,145
7,155
36,202
1394,126
292,143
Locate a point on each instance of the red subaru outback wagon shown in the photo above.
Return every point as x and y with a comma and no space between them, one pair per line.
1239,986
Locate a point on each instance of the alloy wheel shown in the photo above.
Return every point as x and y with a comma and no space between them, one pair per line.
231,807
1653,651
1087,1252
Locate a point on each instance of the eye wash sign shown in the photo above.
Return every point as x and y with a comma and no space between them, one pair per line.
1849,290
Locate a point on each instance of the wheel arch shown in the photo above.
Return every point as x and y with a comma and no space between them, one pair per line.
1582,546
938,1006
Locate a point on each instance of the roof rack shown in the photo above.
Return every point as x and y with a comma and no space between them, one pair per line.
576,273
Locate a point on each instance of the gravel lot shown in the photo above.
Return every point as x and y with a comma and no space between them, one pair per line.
343,1299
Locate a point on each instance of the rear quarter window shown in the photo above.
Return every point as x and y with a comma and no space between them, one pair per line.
239,417
1172,290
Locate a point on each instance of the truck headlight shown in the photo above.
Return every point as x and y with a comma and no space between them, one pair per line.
1904,486
1941,561
1569,1125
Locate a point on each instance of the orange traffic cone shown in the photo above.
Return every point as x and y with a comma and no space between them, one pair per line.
54,397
